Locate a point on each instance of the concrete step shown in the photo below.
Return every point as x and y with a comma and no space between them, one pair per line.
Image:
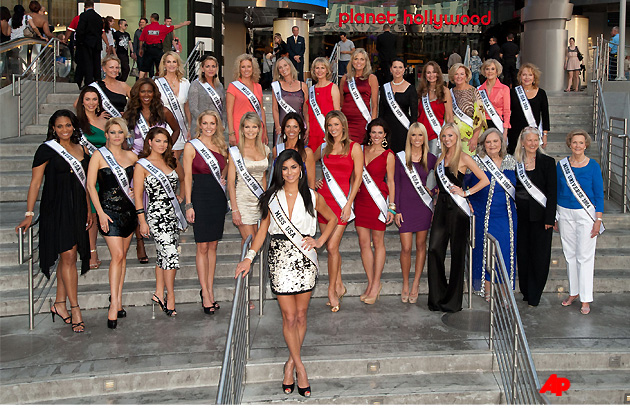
62,99
50,108
582,109
35,130
592,387
579,120
13,163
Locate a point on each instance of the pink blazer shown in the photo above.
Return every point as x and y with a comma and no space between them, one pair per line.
500,98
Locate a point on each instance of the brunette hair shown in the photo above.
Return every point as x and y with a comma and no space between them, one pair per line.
51,135
34,6
168,157
5,13
299,146
84,123
423,87
201,75
18,16
134,105
345,137
377,122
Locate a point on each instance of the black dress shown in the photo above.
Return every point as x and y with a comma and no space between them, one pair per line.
116,204
540,107
450,224
208,200
408,102
119,101
63,210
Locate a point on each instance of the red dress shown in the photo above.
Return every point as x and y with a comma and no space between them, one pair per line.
341,167
365,208
356,121
438,108
323,96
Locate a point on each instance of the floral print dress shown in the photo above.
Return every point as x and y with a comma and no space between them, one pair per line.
162,221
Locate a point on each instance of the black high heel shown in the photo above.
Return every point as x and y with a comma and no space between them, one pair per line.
206,310
169,312
66,320
112,324
305,392
121,312
78,327
287,388
159,302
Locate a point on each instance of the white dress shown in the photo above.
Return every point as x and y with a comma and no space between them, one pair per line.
182,98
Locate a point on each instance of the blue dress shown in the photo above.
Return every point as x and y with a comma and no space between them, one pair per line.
495,212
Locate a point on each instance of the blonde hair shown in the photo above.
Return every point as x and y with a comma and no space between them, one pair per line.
253,118
481,148
474,53
117,121
368,66
276,69
519,152
255,68
323,61
180,65
423,157
217,138
108,58
200,74
454,164
587,137
497,65
453,70
535,70
345,137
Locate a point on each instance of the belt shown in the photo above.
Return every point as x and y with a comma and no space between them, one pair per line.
155,45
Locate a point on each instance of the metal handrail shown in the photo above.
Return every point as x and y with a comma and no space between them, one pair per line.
191,67
334,63
232,380
507,336
263,275
19,42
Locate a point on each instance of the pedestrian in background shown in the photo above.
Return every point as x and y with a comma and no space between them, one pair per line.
123,45
509,54
296,46
89,42
475,65
136,46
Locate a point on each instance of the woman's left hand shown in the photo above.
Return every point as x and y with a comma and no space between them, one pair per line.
309,243
595,230
390,218
90,221
223,182
345,213
472,144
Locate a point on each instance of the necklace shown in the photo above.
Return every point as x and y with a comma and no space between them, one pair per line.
576,162
397,84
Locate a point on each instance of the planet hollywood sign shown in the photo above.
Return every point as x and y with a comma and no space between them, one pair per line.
427,18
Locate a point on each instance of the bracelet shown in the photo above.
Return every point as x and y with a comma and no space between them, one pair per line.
139,211
188,206
235,210
599,219
392,211
251,254
467,193
232,133
29,213
392,206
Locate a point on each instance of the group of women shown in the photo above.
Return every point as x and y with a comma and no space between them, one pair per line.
377,170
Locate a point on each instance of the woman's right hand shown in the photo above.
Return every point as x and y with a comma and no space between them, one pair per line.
232,138
190,215
236,218
555,226
278,130
25,224
144,229
398,219
243,267
103,220
319,184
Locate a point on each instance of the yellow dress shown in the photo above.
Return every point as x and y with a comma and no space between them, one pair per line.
469,101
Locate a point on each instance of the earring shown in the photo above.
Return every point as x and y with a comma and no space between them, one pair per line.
370,141
384,143
301,174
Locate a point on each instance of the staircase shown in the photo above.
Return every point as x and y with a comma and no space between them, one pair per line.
387,353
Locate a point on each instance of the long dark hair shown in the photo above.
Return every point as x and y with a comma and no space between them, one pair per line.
51,135
299,146
134,105
377,122
423,86
5,13
168,157
18,16
277,183
84,123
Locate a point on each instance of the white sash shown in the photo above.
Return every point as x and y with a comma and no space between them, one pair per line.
460,201
87,144
174,106
251,97
143,125
498,175
214,96
578,192
393,105
74,163
166,185
107,104
250,181
375,193
527,111
334,187
416,181
459,113
356,96
321,120
492,112
285,224
532,189
279,149
210,160
277,91
118,171
435,124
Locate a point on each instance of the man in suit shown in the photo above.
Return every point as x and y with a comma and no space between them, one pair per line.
297,47
494,51
509,54
386,47
88,40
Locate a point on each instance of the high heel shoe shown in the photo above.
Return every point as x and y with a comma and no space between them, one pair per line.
206,310
112,323
287,388
169,312
159,302
78,327
372,300
141,250
305,392
345,290
413,299
96,264
66,320
404,298
121,312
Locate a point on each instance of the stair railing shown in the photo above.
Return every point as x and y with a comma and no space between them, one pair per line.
232,380
507,336
191,67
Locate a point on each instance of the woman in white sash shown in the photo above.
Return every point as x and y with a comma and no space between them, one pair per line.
578,227
245,211
293,132
64,219
538,113
172,70
160,220
405,98
498,95
206,92
292,270
206,200
247,73
451,222
536,193
370,222
115,91
366,87
495,209
433,93
344,162
326,98
412,213
117,219
293,92
92,119
468,111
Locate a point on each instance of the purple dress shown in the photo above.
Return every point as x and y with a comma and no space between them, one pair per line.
417,217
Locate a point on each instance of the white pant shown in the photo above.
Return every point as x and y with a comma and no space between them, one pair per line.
579,250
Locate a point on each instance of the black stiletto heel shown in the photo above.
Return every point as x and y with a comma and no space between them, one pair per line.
112,324
121,312
287,388
159,302
206,310
66,320
78,327
305,392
